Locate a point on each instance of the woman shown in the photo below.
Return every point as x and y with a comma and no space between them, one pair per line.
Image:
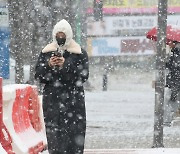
173,78
63,67
173,83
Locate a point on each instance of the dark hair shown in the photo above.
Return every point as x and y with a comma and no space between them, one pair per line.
175,42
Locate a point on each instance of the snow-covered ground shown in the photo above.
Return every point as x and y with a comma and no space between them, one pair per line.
12,72
123,116
134,151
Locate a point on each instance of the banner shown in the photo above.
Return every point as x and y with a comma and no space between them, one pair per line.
137,3
134,6
118,46
126,25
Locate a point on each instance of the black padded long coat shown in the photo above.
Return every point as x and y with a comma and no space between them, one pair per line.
173,78
63,94
64,102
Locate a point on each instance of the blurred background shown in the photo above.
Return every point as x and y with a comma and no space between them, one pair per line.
113,32
119,92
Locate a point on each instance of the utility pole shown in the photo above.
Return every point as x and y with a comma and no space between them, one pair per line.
160,74
80,7
98,10
84,25
78,22
17,37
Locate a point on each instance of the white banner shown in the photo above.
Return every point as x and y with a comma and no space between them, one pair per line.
117,46
112,25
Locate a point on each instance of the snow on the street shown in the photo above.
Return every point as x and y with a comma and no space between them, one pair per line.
133,151
123,116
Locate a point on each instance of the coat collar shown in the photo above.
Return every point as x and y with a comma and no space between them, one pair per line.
73,47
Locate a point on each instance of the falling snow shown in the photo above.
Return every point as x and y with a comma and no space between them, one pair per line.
120,95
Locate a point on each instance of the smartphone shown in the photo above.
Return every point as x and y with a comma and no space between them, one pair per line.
56,53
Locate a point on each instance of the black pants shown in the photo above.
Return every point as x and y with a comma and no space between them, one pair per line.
62,142
174,94
65,123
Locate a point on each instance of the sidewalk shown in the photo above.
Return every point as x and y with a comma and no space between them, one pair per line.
124,119
133,151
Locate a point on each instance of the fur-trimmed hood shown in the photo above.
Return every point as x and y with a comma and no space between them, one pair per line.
70,45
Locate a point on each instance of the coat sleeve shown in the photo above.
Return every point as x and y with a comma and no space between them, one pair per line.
42,70
169,63
76,67
174,62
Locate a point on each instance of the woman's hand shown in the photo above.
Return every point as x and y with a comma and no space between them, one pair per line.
56,61
59,61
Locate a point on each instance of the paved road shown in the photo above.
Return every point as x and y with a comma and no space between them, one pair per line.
123,116
131,151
